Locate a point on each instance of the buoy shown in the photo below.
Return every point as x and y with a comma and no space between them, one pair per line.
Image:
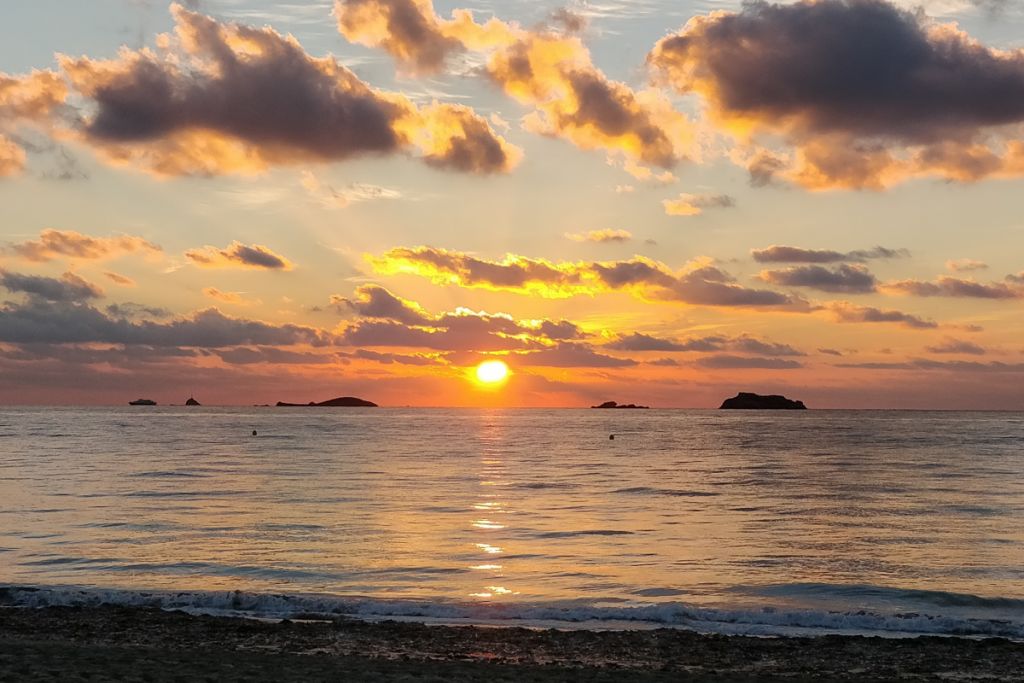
611,437
254,432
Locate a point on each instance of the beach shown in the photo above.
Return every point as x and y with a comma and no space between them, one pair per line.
131,643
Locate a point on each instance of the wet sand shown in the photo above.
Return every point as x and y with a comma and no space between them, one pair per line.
138,644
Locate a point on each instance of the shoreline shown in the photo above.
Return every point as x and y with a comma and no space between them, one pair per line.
107,642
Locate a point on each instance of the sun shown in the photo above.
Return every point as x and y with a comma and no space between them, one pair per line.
492,372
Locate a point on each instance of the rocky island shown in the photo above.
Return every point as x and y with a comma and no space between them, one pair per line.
340,402
748,401
613,404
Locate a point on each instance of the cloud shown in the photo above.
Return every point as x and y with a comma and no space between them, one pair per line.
373,301
68,288
12,158
950,366
118,279
54,244
390,358
831,352
965,265
547,69
695,204
846,312
782,254
27,99
244,355
724,362
866,93
238,255
951,345
638,341
221,98
697,283
850,279
573,355
60,322
955,287
234,298
601,236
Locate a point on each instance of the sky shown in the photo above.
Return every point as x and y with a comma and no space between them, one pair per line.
644,201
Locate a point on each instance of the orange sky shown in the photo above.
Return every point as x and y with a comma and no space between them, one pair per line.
251,203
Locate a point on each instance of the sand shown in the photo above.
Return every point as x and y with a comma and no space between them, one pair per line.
138,644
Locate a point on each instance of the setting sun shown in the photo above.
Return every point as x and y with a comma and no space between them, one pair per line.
492,372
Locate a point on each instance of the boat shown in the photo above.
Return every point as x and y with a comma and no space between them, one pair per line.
142,402
192,401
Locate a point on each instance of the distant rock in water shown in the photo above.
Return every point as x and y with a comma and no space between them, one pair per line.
747,401
613,404
142,402
192,402
340,402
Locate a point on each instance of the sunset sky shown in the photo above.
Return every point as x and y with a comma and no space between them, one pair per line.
635,200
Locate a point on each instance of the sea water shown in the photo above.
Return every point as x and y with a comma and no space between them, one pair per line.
765,522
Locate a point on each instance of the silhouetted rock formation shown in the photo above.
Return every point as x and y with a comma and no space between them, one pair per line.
748,401
613,404
340,402
142,402
192,402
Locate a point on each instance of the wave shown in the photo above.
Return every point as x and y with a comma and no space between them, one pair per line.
766,621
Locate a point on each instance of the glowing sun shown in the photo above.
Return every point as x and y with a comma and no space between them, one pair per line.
492,372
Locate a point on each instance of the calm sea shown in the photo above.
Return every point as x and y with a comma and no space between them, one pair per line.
721,521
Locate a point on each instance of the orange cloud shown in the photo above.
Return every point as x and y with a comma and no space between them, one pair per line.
549,70
601,236
118,279
695,204
697,283
222,98
31,98
53,244
238,255
864,93
234,298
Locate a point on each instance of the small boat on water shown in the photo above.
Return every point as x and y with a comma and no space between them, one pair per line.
192,401
142,402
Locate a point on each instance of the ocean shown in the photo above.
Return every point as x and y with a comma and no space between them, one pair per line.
766,522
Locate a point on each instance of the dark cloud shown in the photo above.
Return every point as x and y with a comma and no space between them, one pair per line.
849,279
232,98
68,288
129,309
951,345
645,342
244,355
39,321
573,355
390,358
782,254
408,34
762,169
956,287
831,352
951,366
853,84
725,362
845,312
374,301
238,255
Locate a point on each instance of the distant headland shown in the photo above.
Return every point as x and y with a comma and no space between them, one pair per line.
748,401
340,402
613,404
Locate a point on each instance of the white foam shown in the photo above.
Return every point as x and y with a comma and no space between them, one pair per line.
764,622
